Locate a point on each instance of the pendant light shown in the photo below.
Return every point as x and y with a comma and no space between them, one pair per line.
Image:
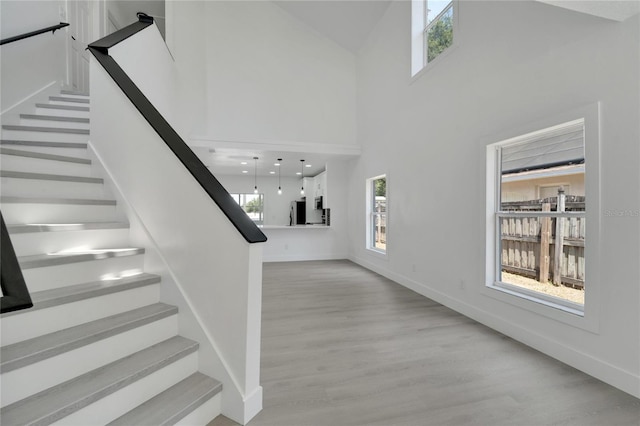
255,175
279,168
302,174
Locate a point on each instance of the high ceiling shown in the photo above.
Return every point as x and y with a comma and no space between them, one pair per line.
348,23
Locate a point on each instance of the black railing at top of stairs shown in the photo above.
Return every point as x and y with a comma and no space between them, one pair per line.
100,50
15,295
33,33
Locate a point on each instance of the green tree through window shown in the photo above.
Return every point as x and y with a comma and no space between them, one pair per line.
440,35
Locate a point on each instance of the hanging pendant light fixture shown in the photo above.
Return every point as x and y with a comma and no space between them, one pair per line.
302,174
255,175
279,174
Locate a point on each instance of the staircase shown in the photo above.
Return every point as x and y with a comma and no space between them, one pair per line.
98,347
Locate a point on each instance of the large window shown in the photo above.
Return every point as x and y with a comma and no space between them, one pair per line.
377,214
433,27
539,215
253,205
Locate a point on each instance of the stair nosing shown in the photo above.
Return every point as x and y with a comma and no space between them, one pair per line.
45,260
28,228
68,201
55,118
20,128
68,99
47,144
198,393
63,295
79,392
63,107
43,156
31,351
11,174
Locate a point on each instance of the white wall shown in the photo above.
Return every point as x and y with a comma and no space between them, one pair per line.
270,78
430,137
27,66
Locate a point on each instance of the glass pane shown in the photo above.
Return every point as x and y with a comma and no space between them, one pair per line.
440,35
252,204
434,8
529,255
380,231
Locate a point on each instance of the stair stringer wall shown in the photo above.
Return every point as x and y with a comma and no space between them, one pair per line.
223,315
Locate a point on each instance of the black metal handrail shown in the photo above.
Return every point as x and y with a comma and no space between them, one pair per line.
211,185
15,295
34,33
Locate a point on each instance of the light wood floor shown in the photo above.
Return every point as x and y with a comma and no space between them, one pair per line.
344,346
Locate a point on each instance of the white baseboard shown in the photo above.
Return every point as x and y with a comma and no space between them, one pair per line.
626,381
302,257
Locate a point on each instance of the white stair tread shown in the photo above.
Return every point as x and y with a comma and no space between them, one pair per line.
175,403
54,118
68,99
43,156
44,200
75,145
65,107
37,349
62,400
47,176
74,293
22,228
53,259
45,129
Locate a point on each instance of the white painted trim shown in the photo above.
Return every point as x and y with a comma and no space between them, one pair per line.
624,380
304,257
252,404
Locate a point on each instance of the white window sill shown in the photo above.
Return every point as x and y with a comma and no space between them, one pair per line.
377,253
567,314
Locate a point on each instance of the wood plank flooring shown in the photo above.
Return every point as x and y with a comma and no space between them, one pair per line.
344,346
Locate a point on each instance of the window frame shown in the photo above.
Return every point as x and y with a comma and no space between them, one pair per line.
371,215
584,316
419,29
238,197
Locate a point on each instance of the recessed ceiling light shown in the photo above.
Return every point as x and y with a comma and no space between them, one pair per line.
307,165
276,164
245,171
272,173
244,163
298,173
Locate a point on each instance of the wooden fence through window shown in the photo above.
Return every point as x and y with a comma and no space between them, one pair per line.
529,243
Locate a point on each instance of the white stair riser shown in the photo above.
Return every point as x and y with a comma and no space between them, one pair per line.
73,95
124,400
63,112
19,163
27,135
204,413
65,152
49,242
82,104
18,328
50,277
20,383
51,188
57,213
53,123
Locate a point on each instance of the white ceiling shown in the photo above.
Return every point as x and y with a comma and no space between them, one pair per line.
348,23
228,162
609,9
